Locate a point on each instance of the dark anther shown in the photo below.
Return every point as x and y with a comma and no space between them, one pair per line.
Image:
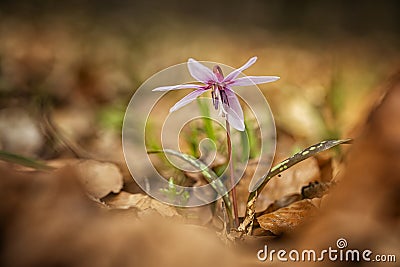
214,97
224,97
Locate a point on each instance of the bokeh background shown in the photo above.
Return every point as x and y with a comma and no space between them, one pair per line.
88,57
69,68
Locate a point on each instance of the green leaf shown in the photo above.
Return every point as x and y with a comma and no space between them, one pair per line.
296,158
256,188
24,161
208,174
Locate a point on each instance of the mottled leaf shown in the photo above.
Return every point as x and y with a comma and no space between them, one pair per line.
208,174
296,158
256,188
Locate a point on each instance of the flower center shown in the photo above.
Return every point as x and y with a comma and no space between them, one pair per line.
218,93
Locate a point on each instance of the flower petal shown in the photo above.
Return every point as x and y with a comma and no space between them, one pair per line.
234,110
252,80
176,87
187,99
231,76
200,72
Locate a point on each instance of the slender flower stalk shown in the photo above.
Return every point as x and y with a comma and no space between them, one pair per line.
231,175
224,99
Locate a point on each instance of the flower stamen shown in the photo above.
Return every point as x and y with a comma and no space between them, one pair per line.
218,93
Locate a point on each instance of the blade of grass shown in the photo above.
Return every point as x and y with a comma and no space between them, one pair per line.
205,112
23,161
254,151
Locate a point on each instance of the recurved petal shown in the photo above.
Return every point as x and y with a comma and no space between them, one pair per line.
231,76
177,87
252,80
200,72
187,99
234,110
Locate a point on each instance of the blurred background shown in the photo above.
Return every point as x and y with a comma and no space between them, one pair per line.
69,68
85,59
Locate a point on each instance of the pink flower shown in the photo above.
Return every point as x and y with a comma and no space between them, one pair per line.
221,89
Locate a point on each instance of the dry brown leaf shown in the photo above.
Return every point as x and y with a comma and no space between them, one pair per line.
143,203
100,178
291,181
74,232
126,200
317,202
364,207
287,183
316,189
288,218
283,202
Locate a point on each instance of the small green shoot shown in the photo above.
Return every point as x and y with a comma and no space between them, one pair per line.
208,174
172,193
